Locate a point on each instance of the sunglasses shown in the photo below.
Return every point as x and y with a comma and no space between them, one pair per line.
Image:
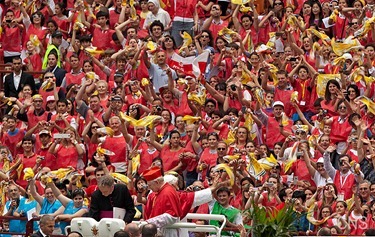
342,107
48,77
278,3
94,127
205,36
221,149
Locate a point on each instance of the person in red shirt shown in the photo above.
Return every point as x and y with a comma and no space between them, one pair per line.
12,139
214,23
11,37
29,159
101,34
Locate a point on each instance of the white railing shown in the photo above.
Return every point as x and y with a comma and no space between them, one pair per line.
89,227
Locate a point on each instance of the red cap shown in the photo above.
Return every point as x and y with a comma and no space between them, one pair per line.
152,173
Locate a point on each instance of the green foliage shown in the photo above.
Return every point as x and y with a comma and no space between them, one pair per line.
268,222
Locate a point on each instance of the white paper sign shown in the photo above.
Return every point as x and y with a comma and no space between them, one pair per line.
30,213
119,213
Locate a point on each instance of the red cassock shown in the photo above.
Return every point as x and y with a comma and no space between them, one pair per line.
166,200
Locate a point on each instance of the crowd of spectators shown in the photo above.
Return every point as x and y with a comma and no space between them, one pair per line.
237,103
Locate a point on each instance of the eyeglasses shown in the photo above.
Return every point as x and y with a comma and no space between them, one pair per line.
221,149
342,107
300,132
363,189
95,127
48,77
36,16
38,101
4,152
278,3
205,36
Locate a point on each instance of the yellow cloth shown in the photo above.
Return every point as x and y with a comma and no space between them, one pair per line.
228,170
187,40
344,47
292,157
255,167
93,51
368,102
366,27
190,119
143,122
227,34
121,177
136,161
28,174
322,80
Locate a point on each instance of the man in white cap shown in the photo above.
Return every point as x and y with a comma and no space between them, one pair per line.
273,123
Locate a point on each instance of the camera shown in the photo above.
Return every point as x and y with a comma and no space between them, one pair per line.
159,108
233,87
293,59
196,188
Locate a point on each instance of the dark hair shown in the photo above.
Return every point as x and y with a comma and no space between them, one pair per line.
223,189
171,38
157,23
355,88
370,232
101,14
95,163
62,100
78,192
42,19
327,94
210,43
312,17
299,194
53,22
121,233
28,139
321,209
149,230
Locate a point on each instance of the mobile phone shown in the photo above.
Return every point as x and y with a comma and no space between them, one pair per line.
227,49
61,136
293,59
243,109
295,180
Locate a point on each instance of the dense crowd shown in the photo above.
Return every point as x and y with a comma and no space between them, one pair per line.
237,104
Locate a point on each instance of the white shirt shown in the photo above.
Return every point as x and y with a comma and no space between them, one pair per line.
16,80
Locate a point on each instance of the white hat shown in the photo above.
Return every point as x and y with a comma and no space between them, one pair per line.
50,98
278,103
347,56
320,160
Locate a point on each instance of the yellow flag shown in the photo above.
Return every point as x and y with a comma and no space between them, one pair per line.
136,161
227,34
254,167
143,122
62,173
294,97
34,40
120,177
292,157
240,2
93,51
320,35
187,40
366,27
28,174
322,80
228,170
190,119
200,98
344,47
311,218
230,139
368,102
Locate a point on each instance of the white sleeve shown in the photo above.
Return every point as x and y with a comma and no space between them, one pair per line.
162,220
202,197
